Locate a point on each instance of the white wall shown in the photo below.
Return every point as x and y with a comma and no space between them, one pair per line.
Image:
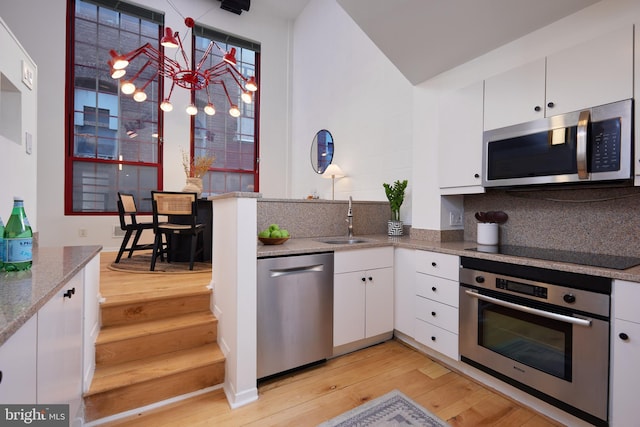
49,54
343,83
18,109
589,23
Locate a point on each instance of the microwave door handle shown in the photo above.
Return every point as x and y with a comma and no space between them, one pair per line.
524,308
581,145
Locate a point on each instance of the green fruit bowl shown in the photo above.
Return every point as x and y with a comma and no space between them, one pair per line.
273,241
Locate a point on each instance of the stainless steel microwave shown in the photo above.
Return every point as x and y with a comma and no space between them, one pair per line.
590,145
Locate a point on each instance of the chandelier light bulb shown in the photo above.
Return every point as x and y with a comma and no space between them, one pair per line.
139,96
119,62
234,111
116,74
251,84
246,97
128,88
209,109
166,106
192,110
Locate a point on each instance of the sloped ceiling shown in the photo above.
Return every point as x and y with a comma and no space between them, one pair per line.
423,38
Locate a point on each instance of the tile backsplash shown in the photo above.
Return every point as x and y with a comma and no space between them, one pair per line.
597,220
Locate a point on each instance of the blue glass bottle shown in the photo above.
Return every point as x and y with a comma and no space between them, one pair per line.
18,239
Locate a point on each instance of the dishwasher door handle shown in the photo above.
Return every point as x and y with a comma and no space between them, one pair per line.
279,272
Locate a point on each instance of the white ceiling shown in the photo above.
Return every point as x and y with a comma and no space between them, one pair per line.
423,38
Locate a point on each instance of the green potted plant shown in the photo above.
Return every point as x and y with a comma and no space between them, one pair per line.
395,194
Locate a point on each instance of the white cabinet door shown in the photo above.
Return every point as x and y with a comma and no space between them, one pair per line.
515,96
348,308
592,73
60,347
625,374
18,365
378,301
460,141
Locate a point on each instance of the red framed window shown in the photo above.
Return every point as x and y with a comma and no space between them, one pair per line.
112,142
232,140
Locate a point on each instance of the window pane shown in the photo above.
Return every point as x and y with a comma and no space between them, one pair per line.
231,140
96,186
115,139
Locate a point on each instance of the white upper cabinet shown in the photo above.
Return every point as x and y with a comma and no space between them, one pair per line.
515,96
460,141
592,73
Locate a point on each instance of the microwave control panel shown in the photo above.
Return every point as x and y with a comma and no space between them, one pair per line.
605,145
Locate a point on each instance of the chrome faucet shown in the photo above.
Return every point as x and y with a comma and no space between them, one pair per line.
350,218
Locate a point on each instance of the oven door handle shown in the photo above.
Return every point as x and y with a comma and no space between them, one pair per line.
547,314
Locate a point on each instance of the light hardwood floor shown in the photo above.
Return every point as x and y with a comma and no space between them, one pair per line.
316,394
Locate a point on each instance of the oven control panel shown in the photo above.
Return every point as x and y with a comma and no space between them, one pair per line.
521,288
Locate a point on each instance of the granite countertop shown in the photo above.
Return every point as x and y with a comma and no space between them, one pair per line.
22,293
312,245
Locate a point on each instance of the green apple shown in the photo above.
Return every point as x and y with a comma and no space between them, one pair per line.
265,233
276,234
273,227
284,233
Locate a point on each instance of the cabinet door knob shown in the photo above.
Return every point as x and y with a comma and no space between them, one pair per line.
433,288
433,313
364,279
433,264
623,336
370,279
433,338
551,105
537,108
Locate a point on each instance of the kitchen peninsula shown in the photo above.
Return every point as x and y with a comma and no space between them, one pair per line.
49,316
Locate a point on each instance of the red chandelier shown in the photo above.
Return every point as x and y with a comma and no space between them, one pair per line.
183,76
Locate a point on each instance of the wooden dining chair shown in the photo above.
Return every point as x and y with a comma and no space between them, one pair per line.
180,210
127,211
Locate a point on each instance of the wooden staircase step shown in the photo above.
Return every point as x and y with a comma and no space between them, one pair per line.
123,343
144,306
126,386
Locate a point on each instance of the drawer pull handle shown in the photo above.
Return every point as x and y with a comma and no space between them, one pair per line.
433,313
69,293
433,338
433,264
433,288
623,336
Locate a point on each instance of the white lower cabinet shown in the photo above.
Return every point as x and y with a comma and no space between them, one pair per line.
436,302
60,347
625,349
362,294
17,365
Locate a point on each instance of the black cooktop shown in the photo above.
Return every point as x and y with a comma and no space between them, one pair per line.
583,258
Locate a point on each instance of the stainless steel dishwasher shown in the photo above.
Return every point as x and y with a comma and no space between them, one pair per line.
295,311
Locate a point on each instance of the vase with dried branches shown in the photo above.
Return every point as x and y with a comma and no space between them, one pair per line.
194,169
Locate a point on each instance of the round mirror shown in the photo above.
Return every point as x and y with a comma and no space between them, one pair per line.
321,150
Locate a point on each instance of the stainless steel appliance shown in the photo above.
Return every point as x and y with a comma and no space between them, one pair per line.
591,145
294,311
543,331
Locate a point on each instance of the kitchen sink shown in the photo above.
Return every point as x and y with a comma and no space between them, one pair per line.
345,241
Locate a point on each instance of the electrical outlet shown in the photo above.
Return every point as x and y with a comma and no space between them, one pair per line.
82,232
455,218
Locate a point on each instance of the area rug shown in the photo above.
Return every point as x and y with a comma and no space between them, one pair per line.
392,409
142,263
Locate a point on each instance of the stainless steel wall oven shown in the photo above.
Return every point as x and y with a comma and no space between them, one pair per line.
543,331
